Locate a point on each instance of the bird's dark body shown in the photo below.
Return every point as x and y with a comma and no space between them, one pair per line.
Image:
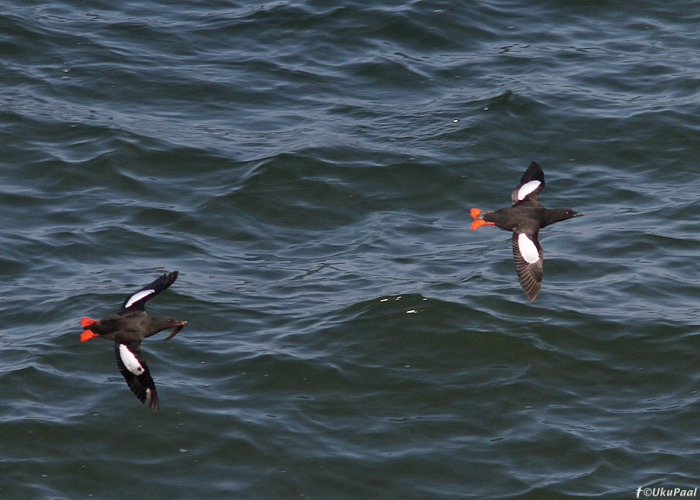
530,216
130,326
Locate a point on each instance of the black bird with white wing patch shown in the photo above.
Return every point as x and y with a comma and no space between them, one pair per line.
525,218
127,329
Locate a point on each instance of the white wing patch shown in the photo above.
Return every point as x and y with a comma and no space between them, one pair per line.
527,189
528,249
132,364
138,296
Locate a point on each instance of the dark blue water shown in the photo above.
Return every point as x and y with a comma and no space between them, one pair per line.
309,169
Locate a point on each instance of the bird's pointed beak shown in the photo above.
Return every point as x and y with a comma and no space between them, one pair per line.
178,326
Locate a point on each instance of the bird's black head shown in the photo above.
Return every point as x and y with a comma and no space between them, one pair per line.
178,326
570,214
165,323
175,322
560,214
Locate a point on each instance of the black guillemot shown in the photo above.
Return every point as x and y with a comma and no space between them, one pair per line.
127,329
525,218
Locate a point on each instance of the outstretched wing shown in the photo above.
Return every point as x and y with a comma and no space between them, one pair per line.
137,301
529,257
531,183
133,367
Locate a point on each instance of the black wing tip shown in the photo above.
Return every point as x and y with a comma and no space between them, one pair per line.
530,282
532,292
163,281
146,394
533,172
166,279
145,390
534,167
153,402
